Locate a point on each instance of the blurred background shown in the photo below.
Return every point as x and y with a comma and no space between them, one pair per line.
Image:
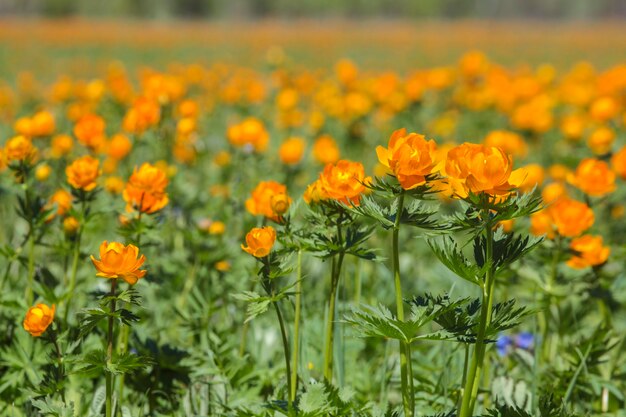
228,9
47,37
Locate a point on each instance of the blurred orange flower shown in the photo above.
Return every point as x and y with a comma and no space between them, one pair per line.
145,190
83,173
262,197
593,177
344,181
291,150
325,150
588,251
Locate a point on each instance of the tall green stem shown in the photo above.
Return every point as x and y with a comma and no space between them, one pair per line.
330,323
31,265
283,333
472,383
76,256
107,374
296,330
406,379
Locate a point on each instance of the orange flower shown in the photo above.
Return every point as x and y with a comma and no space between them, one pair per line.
409,156
618,162
291,151
588,251
38,319
541,224
61,145
280,203
601,140
593,177
509,142
19,148
145,190
83,173
314,193
42,172
119,146
479,169
89,130
260,202
250,132
70,226
603,109
119,261
343,182
42,124
571,217
553,192
325,150
259,241
63,200
143,114
114,185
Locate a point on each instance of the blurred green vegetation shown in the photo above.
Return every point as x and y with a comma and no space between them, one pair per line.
225,9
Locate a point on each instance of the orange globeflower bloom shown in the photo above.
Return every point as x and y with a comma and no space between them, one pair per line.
143,114
62,199
510,142
603,109
19,148
114,185
145,190
593,177
541,224
588,251
409,156
119,146
291,151
260,202
42,124
61,145
344,181
325,150
89,130
479,169
83,173
38,319
618,162
553,192
259,241
119,261
601,140
571,217
250,132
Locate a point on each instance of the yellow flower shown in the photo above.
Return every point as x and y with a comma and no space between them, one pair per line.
19,148
260,202
83,173
70,226
38,318
119,261
344,182
259,241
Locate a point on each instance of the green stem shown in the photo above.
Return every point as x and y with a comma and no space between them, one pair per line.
405,376
107,374
31,265
296,329
76,255
470,392
572,383
60,366
330,323
283,333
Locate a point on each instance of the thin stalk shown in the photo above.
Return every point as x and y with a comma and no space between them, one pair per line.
108,375
31,265
572,383
60,366
405,376
296,329
283,333
330,324
75,257
473,378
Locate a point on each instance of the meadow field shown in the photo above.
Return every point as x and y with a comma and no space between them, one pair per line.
312,218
